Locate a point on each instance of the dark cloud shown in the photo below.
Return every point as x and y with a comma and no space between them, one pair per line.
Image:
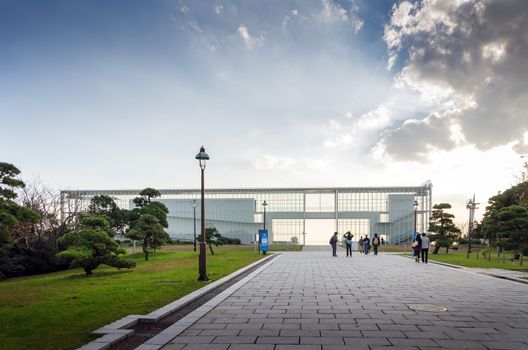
471,56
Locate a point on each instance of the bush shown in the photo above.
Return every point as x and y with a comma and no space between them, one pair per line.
227,240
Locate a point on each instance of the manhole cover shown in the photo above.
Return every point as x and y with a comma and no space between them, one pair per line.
427,307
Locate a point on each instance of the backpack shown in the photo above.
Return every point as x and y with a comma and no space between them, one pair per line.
375,241
349,241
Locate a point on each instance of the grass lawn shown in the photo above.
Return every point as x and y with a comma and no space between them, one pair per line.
459,258
59,310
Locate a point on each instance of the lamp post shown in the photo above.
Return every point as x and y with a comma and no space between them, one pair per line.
194,204
471,205
202,268
415,205
264,205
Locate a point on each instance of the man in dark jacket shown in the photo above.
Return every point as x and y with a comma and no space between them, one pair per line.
375,243
366,244
348,237
333,243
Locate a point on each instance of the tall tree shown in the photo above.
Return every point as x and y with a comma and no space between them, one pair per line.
150,232
516,195
106,206
445,231
212,237
92,246
512,224
11,215
142,225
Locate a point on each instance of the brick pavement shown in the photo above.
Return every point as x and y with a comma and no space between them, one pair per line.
313,301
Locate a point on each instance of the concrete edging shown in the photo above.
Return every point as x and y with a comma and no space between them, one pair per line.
116,331
468,269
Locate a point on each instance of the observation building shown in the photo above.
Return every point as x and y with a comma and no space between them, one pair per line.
292,215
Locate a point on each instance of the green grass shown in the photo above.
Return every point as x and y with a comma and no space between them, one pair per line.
459,258
59,310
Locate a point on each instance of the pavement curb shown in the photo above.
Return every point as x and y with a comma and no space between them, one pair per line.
468,269
116,331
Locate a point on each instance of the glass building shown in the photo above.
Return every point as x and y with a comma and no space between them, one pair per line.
293,215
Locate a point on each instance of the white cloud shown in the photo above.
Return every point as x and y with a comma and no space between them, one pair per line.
218,9
333,12
269,162
251,42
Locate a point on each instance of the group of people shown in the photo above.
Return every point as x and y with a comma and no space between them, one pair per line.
420,245
364,244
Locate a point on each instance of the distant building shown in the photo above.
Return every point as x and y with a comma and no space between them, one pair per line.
293,215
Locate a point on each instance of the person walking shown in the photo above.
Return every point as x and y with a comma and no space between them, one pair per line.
375,243
366,244
425,247
348,240
417,247
333,243
360,244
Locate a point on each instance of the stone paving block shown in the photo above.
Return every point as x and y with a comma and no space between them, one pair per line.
246,339
251,347
366,341
412,342
260,332
278,340
322,340
345,347
383,334
206,347
506,345
198,339
460,344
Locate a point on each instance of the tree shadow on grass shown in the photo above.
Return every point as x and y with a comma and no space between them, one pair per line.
96,275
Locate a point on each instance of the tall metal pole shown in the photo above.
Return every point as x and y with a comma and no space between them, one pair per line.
194,222
202,260
264,221
471,205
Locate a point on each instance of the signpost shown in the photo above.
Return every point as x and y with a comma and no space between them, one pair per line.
263,239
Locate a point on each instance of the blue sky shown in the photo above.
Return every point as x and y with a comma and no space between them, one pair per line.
121,94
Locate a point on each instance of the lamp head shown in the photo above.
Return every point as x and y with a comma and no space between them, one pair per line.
202,157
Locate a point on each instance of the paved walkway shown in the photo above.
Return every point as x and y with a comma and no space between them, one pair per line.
313,301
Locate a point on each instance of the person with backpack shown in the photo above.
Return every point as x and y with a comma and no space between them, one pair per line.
366,244
360,244
348,241
375,243
333,243
417,247
425,247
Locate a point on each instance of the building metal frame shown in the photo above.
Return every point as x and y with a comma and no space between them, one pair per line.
238,213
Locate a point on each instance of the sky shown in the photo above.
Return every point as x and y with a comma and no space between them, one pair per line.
322,93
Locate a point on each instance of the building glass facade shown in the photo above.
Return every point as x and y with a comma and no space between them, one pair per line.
238,213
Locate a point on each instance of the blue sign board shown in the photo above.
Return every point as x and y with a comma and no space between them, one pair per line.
263,238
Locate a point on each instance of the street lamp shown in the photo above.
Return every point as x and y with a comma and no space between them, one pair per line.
415,205
471,205
202,268
194,204
264,205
